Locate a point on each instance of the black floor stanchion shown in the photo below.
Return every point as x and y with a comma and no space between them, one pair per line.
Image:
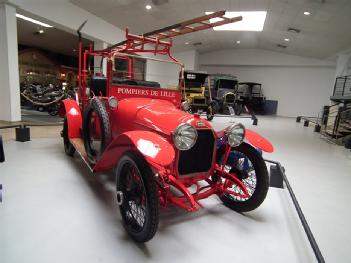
304,223
22,134
276,177
317,128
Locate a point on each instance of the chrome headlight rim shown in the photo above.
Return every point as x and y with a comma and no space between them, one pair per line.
235,134
178,137
112,102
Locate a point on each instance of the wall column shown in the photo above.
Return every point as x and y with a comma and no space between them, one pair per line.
10,107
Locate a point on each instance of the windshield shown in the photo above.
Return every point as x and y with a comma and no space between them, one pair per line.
227,84
145,72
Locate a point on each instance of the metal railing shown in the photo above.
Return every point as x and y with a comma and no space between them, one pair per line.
317,252
342,86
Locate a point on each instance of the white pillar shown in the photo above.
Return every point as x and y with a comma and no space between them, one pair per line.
10,107
99,45
342,64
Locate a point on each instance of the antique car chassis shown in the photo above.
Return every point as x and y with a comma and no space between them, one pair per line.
140,131
197,93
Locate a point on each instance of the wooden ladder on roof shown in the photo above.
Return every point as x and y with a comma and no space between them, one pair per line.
159,36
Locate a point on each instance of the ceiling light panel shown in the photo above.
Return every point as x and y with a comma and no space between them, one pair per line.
32,20
252,21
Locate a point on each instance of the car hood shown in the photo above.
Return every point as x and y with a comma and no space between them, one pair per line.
160,115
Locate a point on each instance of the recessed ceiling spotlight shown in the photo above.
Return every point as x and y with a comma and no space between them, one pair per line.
148,7
187,43
238,41
306,13
294,30
197,44
32,20
41,31
287,39
74,50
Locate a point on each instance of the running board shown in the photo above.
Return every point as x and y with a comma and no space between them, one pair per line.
78,144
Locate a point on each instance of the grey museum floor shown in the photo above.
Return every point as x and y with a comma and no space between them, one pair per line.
54,210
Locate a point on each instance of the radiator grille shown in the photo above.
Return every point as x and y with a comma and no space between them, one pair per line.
199,100
199,158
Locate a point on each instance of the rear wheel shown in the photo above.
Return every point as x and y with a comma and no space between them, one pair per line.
69,149
248,165
96,129
140,203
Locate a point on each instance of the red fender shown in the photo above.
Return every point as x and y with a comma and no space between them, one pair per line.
152,146
71,109
258,141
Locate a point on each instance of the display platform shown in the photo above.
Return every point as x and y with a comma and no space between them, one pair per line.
55,210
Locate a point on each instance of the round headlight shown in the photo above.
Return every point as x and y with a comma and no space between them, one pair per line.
185,105
235,134
112,102
185,136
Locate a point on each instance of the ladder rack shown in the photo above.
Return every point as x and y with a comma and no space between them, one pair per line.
161,39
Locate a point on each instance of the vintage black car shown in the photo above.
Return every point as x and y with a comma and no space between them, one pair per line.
224,93
251,95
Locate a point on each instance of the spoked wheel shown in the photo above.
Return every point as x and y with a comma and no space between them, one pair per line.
246,164
209,113
69,149
96,129
140,203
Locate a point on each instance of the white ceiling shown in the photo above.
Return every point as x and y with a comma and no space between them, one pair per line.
53,39
325,32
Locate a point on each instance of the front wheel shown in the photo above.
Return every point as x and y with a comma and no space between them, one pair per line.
238,108
209,113
140,203
247,164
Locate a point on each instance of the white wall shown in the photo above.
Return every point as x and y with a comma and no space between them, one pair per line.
301,85
189,58
168,74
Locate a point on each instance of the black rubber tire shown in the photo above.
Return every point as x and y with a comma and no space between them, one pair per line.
152,200
262,183
238,109
95,105
69,149
209,113
215,106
